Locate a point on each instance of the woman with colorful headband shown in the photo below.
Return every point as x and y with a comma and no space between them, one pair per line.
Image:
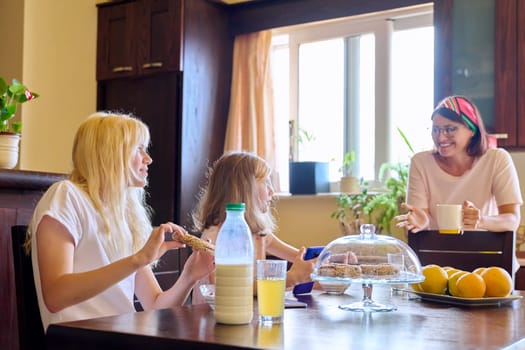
462,169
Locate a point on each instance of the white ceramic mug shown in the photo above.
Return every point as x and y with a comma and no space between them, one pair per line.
449,218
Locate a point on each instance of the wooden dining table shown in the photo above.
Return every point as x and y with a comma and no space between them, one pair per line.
415,324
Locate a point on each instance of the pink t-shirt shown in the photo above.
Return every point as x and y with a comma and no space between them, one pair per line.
492,182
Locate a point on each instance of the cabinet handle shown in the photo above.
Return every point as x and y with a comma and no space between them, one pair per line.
501,136
152,65
122,69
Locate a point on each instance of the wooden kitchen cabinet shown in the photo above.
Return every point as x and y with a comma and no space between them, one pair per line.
510,72
154,99
185,108
494,75
139,38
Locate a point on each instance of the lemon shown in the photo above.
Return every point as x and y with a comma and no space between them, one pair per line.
416,287
436,279
452,271
452,290
470,285
498,282
479,270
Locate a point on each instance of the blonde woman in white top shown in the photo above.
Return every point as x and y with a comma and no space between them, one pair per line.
91,239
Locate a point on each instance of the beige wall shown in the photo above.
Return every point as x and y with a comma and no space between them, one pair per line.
305,220
12,27
59,63
54,49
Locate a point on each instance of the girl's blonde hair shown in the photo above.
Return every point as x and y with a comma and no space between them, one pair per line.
234,178
102,153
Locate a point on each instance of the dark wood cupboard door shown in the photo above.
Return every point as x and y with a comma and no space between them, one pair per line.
509,67
443,10
139,38
157,103
520,47
505,85
115,48
155,100
159,36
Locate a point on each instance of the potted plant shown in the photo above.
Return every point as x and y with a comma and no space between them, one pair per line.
10,97
352,209
377,207
374,207
349,183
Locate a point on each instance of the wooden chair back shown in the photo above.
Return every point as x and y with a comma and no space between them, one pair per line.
466,251
30,329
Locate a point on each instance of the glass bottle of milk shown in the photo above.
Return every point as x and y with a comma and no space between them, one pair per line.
234,268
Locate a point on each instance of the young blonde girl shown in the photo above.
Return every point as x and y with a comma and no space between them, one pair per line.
245,177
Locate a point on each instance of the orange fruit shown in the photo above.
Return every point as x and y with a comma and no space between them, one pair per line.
451,271
416,287
452,290
436,279
498,282
471,285
479,270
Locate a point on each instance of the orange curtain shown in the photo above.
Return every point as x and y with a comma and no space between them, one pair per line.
251,119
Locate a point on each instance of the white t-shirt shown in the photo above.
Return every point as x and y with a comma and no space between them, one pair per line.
66,203
491,182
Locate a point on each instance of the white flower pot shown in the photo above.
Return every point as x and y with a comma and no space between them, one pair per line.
9,150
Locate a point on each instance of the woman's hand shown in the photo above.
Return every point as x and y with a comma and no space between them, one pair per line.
301,270
198,265
415,220
156,244
471,216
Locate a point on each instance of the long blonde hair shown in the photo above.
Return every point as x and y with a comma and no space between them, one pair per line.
102,151
233,178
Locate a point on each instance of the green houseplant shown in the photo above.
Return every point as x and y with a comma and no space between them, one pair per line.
347,167
375,207
352,209
10,97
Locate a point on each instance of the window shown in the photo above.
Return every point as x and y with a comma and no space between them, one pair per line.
349,84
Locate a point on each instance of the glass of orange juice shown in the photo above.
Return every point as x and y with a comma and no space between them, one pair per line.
271,284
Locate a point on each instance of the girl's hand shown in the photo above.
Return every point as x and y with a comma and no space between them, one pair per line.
156,244
198,265
301,270
415,220
471,216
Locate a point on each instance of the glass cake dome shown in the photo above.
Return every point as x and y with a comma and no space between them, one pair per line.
367,258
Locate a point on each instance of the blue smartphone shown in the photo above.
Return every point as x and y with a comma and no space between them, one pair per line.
311,253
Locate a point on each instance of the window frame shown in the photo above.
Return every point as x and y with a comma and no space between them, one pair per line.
382,25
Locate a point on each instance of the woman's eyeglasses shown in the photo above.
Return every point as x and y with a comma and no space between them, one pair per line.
447,130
